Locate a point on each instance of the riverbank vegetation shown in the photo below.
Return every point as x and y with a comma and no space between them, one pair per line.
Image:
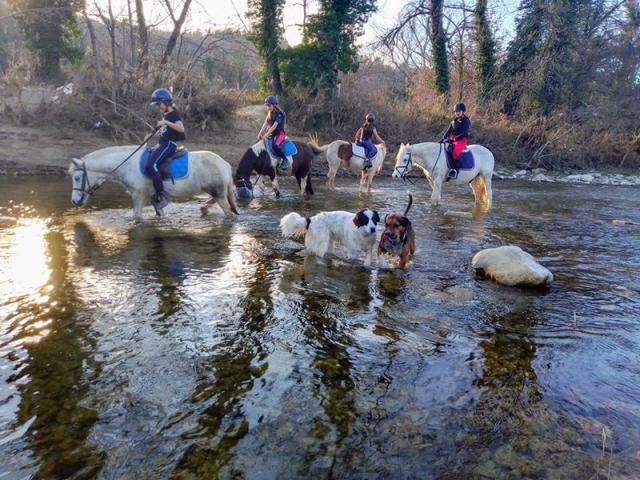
557,90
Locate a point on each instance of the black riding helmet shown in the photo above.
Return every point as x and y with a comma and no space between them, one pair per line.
371,117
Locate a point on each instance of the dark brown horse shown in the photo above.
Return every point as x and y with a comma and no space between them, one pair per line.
257,159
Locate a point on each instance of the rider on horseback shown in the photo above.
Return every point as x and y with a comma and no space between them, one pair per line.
457,136
273,127
364,136
171,130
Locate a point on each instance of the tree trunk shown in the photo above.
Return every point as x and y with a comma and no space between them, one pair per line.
439,42
143,36
132,37
115,80
173,38
94,48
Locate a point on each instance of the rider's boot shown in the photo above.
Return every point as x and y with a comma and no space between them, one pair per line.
284,164
159,201
367,164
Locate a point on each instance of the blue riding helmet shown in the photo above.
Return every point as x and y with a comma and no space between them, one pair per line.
271,100
371,117
161,95
460,107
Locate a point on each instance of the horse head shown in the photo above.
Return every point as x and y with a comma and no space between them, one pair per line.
242,177
404,162
80,186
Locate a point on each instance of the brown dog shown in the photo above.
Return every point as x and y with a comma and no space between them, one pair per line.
398,237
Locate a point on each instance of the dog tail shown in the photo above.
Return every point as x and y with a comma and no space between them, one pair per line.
294,225
409,206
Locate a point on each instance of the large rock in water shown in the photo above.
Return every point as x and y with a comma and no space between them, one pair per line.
511,266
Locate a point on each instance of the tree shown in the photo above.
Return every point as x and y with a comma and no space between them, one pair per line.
266,36
332,33
143,36
50,30
485,51
439,42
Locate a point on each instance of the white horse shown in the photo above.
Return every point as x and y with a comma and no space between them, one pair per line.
208,173
431,159
340,155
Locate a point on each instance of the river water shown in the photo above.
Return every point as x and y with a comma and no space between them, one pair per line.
192,347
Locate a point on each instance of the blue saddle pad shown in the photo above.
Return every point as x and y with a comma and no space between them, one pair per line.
465,161
289,148
176,168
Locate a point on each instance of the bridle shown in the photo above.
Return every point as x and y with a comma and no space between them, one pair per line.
409,162
86,188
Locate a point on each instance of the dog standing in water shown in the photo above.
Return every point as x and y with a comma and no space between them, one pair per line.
398,238
356,232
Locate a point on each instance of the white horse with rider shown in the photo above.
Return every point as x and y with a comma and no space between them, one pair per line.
207,173
431,159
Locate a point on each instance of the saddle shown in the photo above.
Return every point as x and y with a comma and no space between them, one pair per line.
288,148
464,162
360,151
175,168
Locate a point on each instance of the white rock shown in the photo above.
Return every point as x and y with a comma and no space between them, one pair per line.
511,266
581,178
541,177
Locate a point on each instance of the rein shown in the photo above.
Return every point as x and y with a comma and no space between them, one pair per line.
85,176
405,168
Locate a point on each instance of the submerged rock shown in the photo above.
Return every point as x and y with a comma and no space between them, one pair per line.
511,266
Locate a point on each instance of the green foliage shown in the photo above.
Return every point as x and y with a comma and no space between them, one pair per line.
266,36
556,53
485,51
50,30
329,45
439,42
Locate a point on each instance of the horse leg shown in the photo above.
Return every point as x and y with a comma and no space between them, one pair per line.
138,202
331,177
436,192
363,179
204,209
370,176
473,184
276,186
303,184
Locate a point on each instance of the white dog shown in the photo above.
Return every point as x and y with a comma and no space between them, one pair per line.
356,232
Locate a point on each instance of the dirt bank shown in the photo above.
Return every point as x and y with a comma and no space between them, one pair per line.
26,150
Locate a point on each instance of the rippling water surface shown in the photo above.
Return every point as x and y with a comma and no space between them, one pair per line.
194,347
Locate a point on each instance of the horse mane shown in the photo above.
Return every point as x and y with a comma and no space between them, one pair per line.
251,161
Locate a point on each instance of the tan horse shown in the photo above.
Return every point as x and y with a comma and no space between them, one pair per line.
340,155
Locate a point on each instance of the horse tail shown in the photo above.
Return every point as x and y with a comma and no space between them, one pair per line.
231,197
313,144
309,189
482,187
294,225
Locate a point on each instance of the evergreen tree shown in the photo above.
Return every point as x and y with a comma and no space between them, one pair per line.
266,36
485,51
330,40
50,29
439,42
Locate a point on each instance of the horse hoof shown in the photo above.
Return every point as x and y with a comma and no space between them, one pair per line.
277,194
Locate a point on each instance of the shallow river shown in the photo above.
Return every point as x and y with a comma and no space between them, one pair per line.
194,347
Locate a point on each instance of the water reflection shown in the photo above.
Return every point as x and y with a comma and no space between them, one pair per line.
226,377
53,378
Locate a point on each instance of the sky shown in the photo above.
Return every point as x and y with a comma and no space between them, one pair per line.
216,14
